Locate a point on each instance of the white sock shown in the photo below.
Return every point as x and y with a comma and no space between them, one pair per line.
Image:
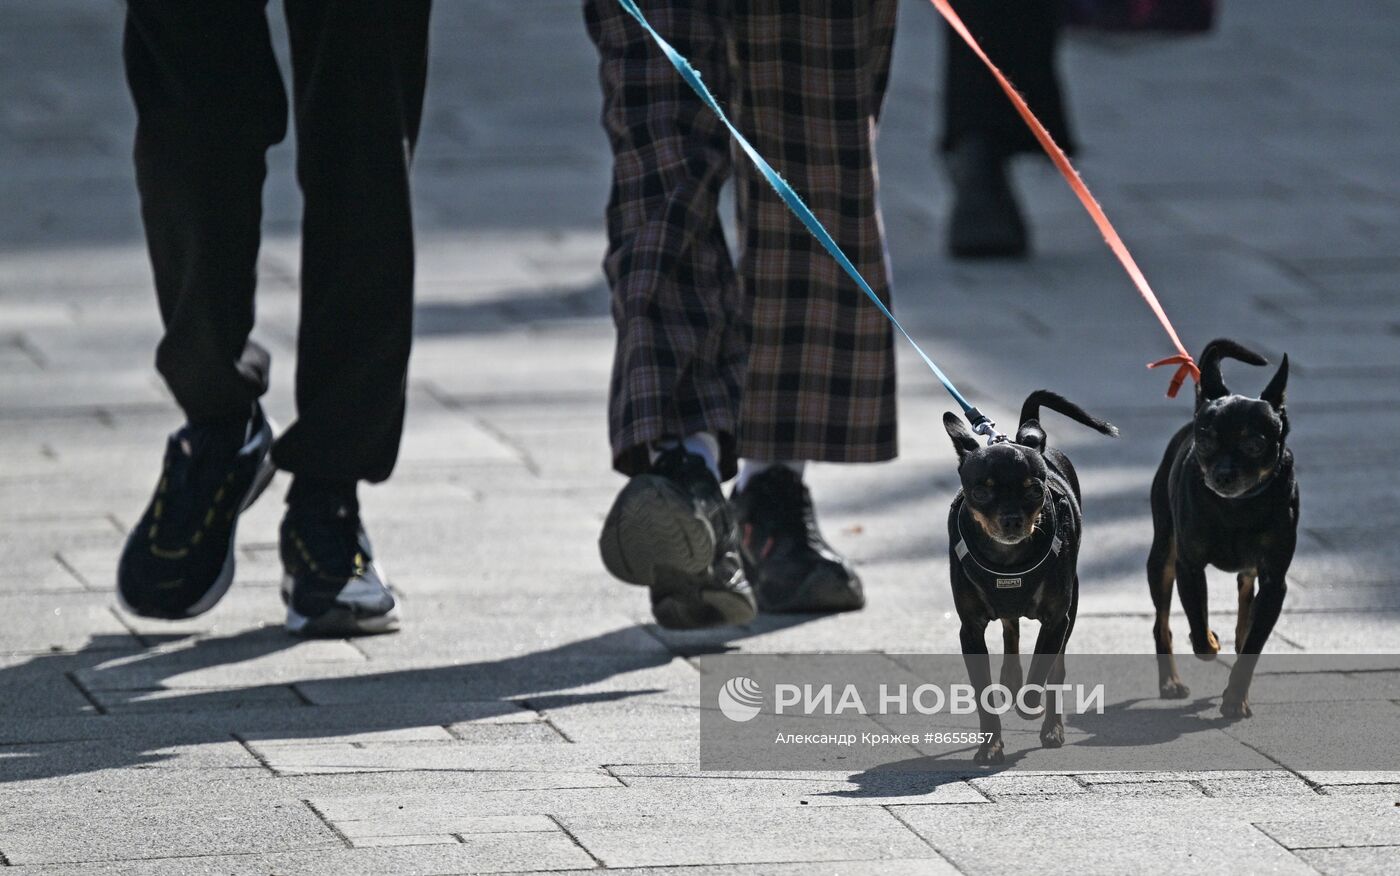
703,444
750,467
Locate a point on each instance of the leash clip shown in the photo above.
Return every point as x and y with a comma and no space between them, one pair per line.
984,426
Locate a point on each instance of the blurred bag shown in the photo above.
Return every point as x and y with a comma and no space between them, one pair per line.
1141,16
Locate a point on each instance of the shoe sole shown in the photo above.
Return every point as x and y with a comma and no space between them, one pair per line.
651,528
266,471
701,608
338,622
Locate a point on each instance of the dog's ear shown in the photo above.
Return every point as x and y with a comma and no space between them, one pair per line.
1212,385
963,440
1275,391
1031,435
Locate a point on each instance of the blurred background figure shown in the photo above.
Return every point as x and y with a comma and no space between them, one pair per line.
981,130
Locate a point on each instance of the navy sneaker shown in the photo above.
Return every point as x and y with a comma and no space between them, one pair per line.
178,561
671,531
332,586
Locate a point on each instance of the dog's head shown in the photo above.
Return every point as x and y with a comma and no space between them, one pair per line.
1004,484
1238,441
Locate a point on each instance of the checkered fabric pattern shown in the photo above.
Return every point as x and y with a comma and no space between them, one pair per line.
783,357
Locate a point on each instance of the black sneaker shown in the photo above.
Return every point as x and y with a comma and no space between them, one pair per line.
179,558
670,530
986,220
331,584
792,568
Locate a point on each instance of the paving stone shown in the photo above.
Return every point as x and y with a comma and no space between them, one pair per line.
1145,789
1350,862
497,853
1091,833
1035,786
1380,827
28,836
850,833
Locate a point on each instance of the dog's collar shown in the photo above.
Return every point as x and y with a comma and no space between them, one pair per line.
1001,579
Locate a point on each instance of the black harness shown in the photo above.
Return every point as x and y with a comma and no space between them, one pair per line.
1002,586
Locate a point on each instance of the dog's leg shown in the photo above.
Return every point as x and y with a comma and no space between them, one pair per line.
1052,729
1191,584
1011,674
1245,582
1161,579
979,672
1049,645
1263,614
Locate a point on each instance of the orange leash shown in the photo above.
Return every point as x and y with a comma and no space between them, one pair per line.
1186,366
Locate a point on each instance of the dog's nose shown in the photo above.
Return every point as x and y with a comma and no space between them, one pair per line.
1011,522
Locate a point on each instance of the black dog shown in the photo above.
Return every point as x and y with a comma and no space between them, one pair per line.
1013,533
1225,496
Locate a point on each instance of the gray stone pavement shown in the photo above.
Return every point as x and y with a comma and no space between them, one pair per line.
530,717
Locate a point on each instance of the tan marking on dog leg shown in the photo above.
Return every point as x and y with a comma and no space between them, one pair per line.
1168,679
1245,581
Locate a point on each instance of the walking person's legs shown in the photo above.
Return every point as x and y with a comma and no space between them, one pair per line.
981,129
210,101
681,323
820,380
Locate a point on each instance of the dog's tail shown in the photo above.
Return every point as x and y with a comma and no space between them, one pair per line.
1030,410
1212,384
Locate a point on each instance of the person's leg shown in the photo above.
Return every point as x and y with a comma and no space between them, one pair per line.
820,382
681,329
981,129
209,102
681,335
359,68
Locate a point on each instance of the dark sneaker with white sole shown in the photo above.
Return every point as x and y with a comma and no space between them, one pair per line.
791,567
670,530
178,561
331,584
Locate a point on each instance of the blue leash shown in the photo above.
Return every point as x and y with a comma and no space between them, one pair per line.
980,422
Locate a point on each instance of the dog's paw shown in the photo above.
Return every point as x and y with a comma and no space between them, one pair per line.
1052,735
1209,648
1173,689
990,753
1235,706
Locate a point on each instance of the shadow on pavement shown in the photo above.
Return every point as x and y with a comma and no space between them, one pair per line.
135,730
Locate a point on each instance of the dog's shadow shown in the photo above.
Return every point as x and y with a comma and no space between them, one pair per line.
921,776
1119,726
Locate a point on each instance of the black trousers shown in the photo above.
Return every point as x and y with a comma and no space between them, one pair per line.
210,102
1020,36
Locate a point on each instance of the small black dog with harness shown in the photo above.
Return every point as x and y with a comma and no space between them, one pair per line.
1013,535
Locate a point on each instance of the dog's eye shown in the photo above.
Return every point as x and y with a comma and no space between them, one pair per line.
1034,490
1253,446
981,495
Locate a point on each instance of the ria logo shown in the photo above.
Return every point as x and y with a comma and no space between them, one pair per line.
740,699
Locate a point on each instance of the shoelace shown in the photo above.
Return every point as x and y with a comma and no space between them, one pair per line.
195,490
328,542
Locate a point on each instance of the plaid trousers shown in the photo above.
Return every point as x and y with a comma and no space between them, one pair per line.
781,357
